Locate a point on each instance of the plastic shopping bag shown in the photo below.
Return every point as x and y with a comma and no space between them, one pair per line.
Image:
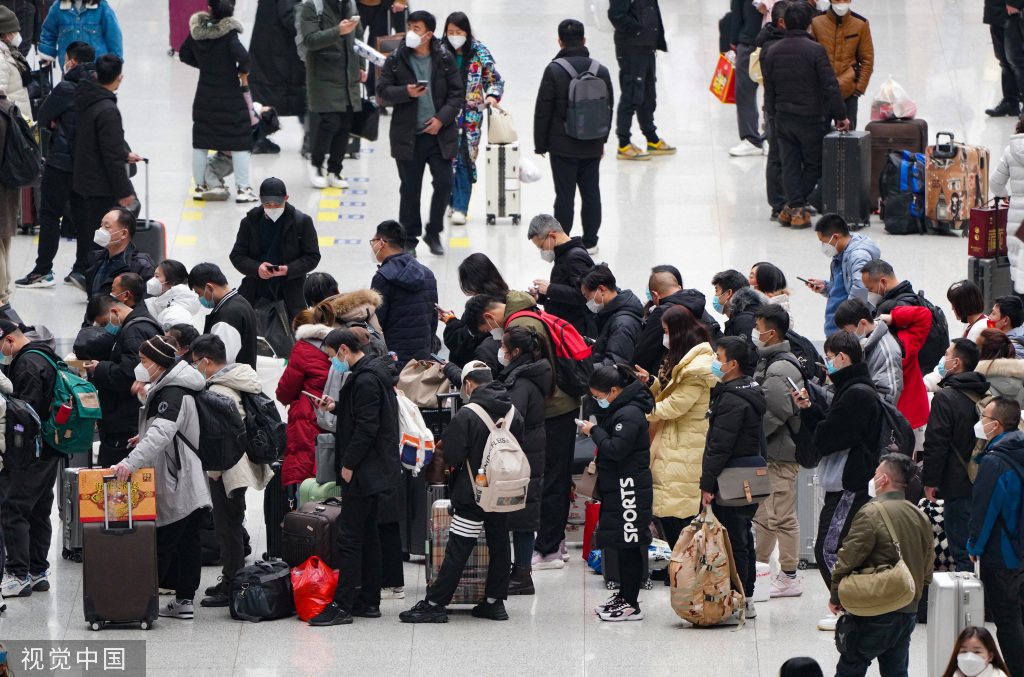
659,553
529,172
723,81
892,102
313,584
594,560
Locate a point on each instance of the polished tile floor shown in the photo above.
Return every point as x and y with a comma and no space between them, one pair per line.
700,210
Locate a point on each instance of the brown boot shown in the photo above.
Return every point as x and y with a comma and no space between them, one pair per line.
785,216
800,219
520,581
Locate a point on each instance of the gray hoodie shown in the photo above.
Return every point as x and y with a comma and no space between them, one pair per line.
230,381
884,357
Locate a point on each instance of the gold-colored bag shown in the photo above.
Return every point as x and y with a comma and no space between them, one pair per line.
422,381
874,591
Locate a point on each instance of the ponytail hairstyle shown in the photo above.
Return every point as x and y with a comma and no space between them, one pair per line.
221,9
616,376
323,313
529,342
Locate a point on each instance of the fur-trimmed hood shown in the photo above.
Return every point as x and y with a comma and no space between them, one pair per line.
356,306
744,301
314,332
202,26
1007,366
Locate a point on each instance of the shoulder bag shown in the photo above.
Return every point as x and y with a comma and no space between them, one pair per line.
874,591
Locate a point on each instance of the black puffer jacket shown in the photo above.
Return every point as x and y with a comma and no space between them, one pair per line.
93,343
650,348
564,298
734,427
891,298
465,344
406,314
746,22
367,430
552,105
299,249
104,268
464,440
619,324
59,107
638,25
768,36
528,382
624,470
741,312
799,80
113,378
100,149
33,379
950,434
277,76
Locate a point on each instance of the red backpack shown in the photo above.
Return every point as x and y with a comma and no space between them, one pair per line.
572,352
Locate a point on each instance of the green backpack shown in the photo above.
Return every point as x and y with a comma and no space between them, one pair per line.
76,408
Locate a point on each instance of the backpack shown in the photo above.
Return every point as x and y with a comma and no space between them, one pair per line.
803,438
808,359
901,186
573,365
937,341
222,435
1016,540
416,441
971,466
504,464
587,116
702,571
23,162
74,412
896,435
377,346
264,429
21,434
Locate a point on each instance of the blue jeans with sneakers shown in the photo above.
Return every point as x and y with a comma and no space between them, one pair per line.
239,163
463,188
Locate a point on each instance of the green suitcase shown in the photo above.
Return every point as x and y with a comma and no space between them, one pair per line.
309,490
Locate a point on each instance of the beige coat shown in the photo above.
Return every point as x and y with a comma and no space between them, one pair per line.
230,382
10,81
677,451
1005,377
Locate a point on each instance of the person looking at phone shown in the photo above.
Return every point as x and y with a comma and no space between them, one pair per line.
231,317
848,253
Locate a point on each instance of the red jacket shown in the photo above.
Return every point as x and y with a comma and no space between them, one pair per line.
914,323
307,370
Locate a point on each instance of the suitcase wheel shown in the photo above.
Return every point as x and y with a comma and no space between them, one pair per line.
65,553
170,52
145,625
76,558
491,219
515,219
802,565
95,626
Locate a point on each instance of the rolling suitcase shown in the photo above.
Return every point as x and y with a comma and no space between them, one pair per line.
502,182
419,497
955,601
278,501
69,509
893,136
992,275
312,530
150,236
180,12
119,577
846,177
809,499
956,181
309,491
474,576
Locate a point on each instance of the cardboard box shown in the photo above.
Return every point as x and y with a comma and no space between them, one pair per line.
143,495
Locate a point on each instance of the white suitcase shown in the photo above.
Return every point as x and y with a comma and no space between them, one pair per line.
502,182
809,499
955,601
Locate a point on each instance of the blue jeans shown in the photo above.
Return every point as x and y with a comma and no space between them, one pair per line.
463,188
885,638
956,514
239,163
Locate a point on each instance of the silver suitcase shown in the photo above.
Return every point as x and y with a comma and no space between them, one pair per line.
71,526
809,499
502,182
955,601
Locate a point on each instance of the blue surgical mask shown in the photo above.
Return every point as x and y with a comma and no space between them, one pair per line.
602,402
648,292
112,328
831,368
717,305
716,368
205,303
339,366
942,366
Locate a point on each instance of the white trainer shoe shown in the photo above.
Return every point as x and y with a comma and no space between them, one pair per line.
784,586
552,561
828,623
746,149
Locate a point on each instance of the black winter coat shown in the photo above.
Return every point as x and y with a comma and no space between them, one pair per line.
741,313
464,440
367,430
624,470
528,382
33,379
746,23
277,76
950,434
891,298
93,343
220,115
100,149
638,25
564,298
445,87
995,13
853,421
799,80
768,36
233,317
406,314
735,427
59,107
650,348
113,378
619,323
466,344
104,268
553,102
300,251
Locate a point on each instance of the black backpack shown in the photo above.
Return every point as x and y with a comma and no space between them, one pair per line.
222,435
806,453
896,435
264,428
22,436
23,162
588,116
937,342
810,362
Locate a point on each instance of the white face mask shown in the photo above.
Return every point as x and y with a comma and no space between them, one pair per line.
823,5
154,287
979,429
547,255
413,40
970,663
101,237
496,332
456,41
16,41
829,249
664,341
840,8
141,373
872,490
273,213
503,357
755,336
874,299
594,306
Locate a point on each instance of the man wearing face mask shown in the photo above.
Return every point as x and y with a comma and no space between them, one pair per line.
619,316
1008,317
882,352
231,317
848,254
561,295
996,527
846,36
118,254
887,529
275,248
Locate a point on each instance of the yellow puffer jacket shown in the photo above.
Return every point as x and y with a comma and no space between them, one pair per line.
677,451
850,51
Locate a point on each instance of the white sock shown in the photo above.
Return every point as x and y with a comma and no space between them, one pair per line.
491,600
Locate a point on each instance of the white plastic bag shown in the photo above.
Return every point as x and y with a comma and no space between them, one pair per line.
892,102
416,442
529,172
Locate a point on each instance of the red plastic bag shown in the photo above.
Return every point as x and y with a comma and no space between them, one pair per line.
590,525
313,584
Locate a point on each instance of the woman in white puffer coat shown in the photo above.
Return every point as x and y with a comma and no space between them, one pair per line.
171,301
1007,180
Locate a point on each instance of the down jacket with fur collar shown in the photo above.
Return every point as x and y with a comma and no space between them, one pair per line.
356,306
307,370
741,312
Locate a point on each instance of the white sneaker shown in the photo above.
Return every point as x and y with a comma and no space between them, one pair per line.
623,611
751,611
552,561
458,219
317,178
392,593
41,582
744,149
215,194
448,213
337,181
12,586
246,195
614,600
828,623
594,251
179,608
784,586
164,592
765,148
563,550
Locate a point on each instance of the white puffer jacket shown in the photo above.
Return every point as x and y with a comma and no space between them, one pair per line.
177,305
1008,180
10,81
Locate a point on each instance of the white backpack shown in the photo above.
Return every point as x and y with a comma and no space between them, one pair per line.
416,442
504,464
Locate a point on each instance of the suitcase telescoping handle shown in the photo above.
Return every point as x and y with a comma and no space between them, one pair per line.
145,161
107,479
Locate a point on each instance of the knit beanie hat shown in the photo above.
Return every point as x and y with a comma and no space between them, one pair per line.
160,351
8,22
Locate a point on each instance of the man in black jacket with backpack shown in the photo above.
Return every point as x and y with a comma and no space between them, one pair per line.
560,295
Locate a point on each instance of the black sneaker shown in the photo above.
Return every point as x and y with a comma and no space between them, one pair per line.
37,280
434,245
221,587
775,215
216,599
410,248
424,612
1004,108
266,147
365,611
75,280
495,612
331,615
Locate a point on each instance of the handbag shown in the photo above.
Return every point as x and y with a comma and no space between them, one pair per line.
745,480
723,81
499,126
366,122
422,382
587,486
874,591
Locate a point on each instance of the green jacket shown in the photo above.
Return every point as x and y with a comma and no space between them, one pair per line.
332,68
515,302
868,544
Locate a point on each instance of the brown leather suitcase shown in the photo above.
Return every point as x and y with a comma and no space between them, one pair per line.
119,576
956,181
893,136
312,530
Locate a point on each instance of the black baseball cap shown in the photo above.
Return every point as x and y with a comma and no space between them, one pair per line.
7,327
273,190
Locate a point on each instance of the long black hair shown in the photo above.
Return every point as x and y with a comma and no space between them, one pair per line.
478,275
605,378
529,342
221,9
460,21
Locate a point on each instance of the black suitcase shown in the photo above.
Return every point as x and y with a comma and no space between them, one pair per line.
846,177
893,136
992,275
150,236
278,501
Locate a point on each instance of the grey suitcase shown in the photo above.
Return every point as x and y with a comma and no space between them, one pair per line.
809,499
502,182
71,526
955,601
846,176
992,275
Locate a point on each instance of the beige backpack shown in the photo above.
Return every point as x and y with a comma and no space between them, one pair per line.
701,571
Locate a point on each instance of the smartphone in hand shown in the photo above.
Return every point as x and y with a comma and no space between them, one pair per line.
792,385
317,401
437,359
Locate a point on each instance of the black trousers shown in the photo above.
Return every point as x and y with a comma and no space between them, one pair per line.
851,111
773,168
113,448
392,571
800,143
96,208
1004,594
331,139
738,520
1008,45
631,572
584,173
673,526
886,638
462,537
228,516
427,152
637,94
56,193
826,517
26,499
560,440
359,553
178,544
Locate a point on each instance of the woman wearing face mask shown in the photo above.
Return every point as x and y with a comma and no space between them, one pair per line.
484,87
770,281
15,69
976,655
171,301
999,365
528,374
624,477
682,391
